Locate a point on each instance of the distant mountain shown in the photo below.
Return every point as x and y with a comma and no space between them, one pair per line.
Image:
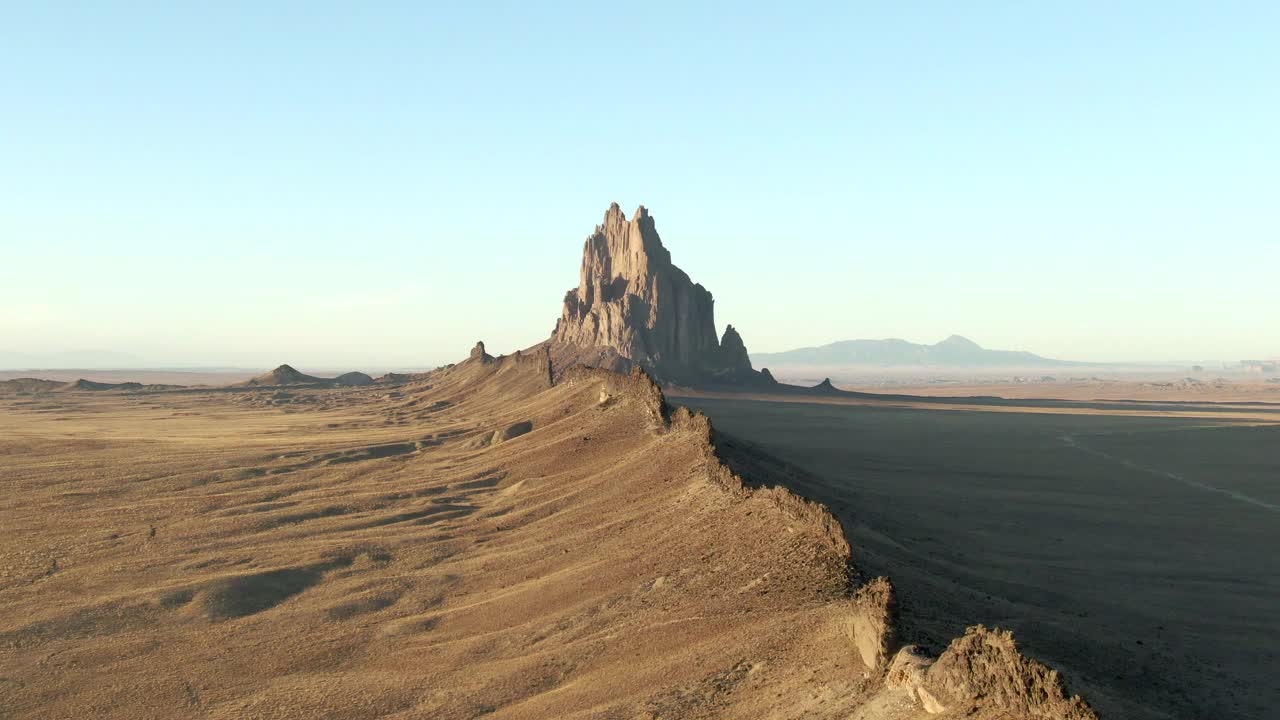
955,351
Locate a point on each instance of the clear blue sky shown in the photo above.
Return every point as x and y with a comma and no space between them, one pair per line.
339,184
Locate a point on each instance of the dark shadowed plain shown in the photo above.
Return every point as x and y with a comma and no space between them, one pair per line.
1135,554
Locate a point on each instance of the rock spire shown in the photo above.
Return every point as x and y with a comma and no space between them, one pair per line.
633,306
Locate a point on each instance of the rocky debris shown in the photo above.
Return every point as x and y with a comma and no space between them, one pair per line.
353,379
909,670
984,667
983,670
634,306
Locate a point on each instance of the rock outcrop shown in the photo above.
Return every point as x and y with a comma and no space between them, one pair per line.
633,306
982,674
478,353
733,353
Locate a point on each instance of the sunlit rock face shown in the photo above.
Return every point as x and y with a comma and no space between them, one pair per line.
633,306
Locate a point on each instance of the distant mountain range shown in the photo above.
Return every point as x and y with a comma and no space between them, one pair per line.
955,351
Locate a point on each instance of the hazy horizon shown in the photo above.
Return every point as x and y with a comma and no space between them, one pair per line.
102,359
1087,183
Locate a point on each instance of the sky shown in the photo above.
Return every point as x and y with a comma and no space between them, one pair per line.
383,184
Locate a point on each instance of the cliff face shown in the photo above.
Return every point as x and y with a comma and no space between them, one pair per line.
633,306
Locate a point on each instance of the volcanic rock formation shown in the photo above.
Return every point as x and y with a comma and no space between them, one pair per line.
633,306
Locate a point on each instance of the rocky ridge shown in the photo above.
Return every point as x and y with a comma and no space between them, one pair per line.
980,675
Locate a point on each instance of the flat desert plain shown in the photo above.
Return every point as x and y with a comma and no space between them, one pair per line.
1133,546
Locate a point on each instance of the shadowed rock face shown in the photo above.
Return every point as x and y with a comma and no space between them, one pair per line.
633,306
733,353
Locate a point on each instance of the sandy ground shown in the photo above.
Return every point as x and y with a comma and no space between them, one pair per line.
1130,546
477,545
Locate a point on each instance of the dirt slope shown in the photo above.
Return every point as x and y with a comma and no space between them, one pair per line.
479,543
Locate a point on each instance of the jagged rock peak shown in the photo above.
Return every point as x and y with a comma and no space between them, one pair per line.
633,300
633,306
478,353
734,352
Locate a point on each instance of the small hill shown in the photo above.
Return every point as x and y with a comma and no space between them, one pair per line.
29,385
353,379
283,375
91,385
955,351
